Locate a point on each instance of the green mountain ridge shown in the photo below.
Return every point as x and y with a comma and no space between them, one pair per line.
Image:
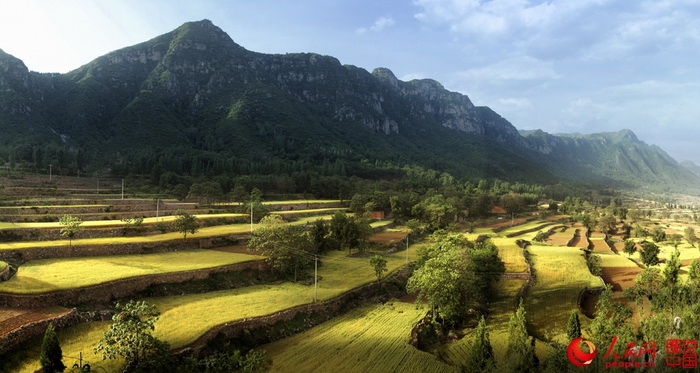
192,101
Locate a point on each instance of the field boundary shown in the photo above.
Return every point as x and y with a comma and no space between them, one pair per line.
108,291
322,311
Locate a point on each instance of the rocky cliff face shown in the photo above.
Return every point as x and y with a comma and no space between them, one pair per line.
195,90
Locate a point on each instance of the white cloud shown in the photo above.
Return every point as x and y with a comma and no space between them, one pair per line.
517,70
380,24
563,29
412,76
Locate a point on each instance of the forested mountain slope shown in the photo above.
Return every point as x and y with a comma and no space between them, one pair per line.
194,102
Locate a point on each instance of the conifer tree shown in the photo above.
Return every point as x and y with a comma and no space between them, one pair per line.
573,327
521,347
480,356
51,355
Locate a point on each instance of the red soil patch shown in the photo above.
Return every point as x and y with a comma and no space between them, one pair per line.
620,277
388,237
13,318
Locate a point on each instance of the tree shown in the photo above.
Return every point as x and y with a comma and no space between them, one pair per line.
480,356
521,347
436,211
285,246
70,227
129,336
594,262
319,236
51,355
573,327
348,232
607,224
259,209
630,247
672,269
589,221
694,270
690,236
540,236
658,234
378,263
185,223
650,254
513,203
676,240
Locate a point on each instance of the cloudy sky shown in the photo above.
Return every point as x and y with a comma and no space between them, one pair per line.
561,65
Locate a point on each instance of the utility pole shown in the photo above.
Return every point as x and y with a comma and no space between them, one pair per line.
407,249
251,216
315,278
157,208
122,188
50,171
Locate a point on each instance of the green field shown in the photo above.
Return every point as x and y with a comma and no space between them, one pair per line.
184,318
560,274
372,338
511,254
111,223
46,275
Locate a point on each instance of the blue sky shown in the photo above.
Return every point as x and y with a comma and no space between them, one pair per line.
562,66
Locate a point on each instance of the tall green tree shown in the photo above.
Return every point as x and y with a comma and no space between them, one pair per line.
285,246
480,356
630,247
650,254
51,357
256,203
573,327
185,223
658,234
378,263
436,211
689,233
70,226
672,269
521,346
130,336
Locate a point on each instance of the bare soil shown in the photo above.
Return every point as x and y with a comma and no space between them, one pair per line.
620,278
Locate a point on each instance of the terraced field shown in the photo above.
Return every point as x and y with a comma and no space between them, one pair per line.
561,273
371,338
46,275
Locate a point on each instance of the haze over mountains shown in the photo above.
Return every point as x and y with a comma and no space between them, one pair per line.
193,101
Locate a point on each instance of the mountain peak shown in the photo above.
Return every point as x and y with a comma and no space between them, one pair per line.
386,76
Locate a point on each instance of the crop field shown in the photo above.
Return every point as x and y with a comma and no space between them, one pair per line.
372,338
186,317
388,237
46,275
13,318
539,224
561,237
511,254
111,223
560,274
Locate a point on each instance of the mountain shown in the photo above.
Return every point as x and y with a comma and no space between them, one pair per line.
192,101
691,166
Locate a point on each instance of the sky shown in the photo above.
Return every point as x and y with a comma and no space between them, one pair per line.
562,66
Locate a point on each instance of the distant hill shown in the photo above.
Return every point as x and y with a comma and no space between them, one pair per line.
192,101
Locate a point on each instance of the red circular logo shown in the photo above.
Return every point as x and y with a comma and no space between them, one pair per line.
578,357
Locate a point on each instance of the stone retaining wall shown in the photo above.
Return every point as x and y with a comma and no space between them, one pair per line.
108,291
33,253
326,309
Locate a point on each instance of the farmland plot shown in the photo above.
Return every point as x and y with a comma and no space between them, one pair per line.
560,274
368,339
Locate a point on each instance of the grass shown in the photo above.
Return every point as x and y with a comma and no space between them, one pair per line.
46,275
511,254
526,226
560,274
111,223
372,338
83,338
184,318
218,230
292,212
